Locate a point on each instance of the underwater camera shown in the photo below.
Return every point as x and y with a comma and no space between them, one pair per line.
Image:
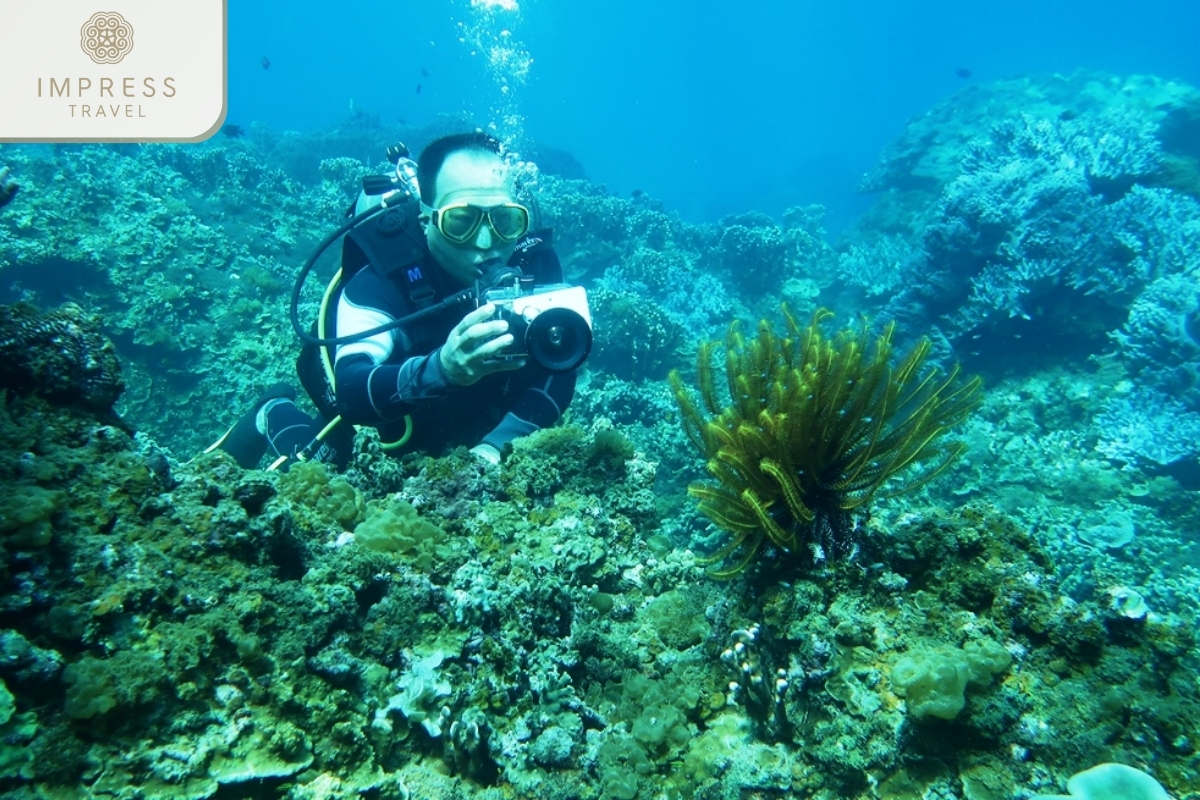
550,324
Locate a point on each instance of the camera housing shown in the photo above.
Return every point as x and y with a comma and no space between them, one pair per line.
551,325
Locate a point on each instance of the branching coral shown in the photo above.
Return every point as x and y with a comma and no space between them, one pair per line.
814,429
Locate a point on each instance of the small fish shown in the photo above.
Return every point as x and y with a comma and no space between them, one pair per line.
963,72
232,131
418,88
424,72
266,62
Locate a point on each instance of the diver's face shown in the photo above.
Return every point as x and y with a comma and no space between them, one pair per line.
479,179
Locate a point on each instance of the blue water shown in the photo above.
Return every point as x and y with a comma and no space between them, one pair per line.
711,107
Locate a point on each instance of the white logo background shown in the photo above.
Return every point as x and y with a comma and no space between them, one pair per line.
184,41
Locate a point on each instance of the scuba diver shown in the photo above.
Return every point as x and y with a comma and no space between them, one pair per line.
446,325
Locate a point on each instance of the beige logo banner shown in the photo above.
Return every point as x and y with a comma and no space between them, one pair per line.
133,71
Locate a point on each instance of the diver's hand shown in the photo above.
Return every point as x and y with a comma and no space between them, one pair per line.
468,352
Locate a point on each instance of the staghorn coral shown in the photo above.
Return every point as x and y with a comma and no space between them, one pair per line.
1147,426
814,429
1160,340
879,267
1037,210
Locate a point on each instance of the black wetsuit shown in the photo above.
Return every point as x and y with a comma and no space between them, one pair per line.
387,377
394,381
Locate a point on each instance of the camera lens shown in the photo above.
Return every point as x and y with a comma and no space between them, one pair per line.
559,339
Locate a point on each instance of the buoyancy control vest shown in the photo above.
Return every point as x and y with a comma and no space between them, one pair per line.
392,244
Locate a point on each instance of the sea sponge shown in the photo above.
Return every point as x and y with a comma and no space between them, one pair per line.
661,727
934,682
127,679
310,484
15,732
1110,782
398,529
90,688
26,514
677,619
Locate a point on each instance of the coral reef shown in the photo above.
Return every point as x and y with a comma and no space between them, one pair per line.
1149,426
221,630
424,627
1160,340
758,255
634,340
1029,211
60,355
